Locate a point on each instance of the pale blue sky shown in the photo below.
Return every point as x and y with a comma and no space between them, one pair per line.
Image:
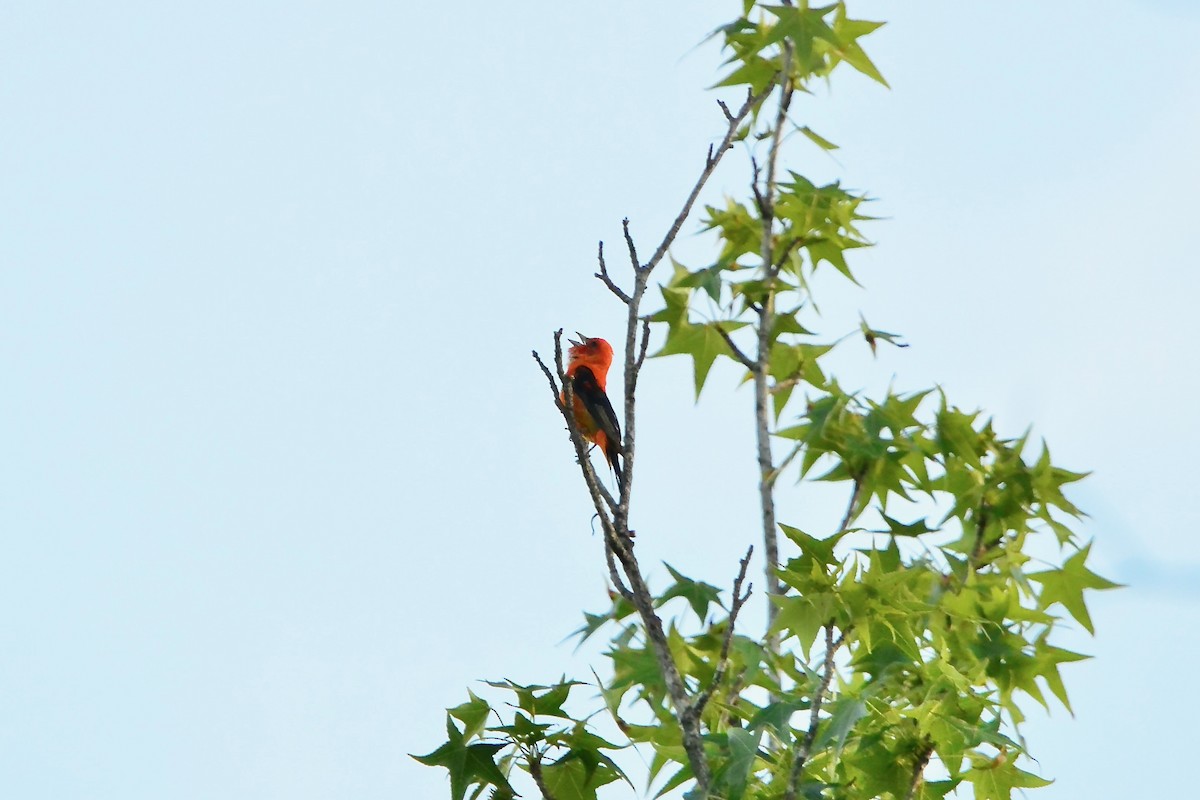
279,478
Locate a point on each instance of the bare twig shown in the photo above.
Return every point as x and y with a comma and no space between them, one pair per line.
814,717
603,275
645,344
739,600
787,460
725,110
741,357
633,256
735,122
614,575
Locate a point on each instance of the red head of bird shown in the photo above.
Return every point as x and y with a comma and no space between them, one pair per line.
594,353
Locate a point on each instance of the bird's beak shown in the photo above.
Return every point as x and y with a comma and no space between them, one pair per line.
582,340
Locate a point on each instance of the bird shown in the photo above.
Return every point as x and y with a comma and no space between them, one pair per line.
588,360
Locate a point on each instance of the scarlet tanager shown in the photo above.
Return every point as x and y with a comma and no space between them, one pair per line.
588,361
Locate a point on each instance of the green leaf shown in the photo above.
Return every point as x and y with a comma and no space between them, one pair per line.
843,714
848,32
898,528
677,780
730,779
997,777
569,780
698,594
467,764
472,714
812,549
776,716
1067,585
524,730
817,139
702,342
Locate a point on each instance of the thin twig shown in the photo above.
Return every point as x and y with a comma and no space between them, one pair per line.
741,357
629,245
787,460
739,600
603,275
735,122
645,344
614,575
814,717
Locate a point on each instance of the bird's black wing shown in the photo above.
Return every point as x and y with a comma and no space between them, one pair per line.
588,390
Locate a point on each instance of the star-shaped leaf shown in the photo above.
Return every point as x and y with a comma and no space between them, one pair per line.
467,764
699,595
1067,585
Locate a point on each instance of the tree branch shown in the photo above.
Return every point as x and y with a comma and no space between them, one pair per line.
645,344
629,245
918,771
814,717
614,575
603,275
535,771
741,357
617,536
710,164
766,321
739,600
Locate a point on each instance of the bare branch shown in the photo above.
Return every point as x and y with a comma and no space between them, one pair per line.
630,246
603,275
645,344
725,110
814,717
741,357
735,122
614,575
739,600
788,459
